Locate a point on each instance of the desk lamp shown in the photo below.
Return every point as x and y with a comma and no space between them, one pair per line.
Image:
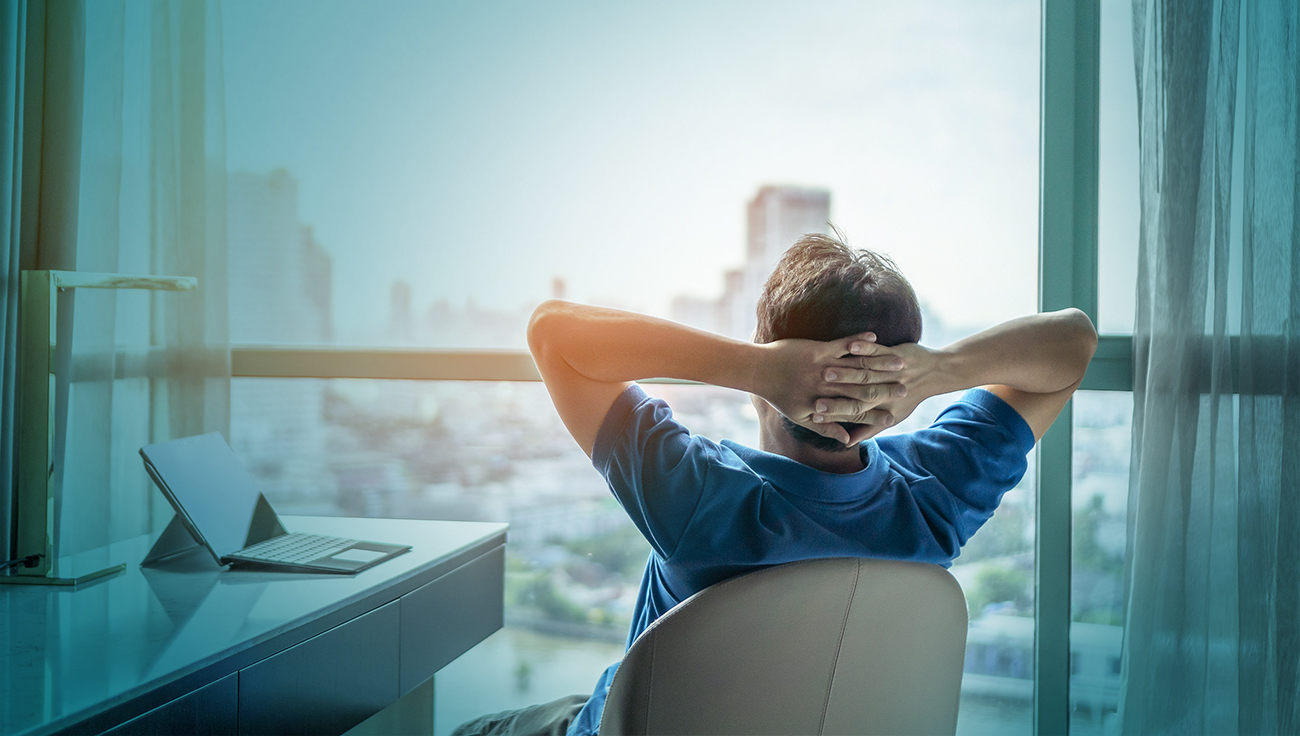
38,339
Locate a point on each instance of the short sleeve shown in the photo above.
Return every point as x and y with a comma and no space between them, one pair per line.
976,450
654,466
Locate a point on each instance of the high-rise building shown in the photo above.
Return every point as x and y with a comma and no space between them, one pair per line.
697,312
778,218
735,315
279,276
399,315
279,293
318,273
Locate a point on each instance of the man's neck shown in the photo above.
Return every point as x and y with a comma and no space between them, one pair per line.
775,439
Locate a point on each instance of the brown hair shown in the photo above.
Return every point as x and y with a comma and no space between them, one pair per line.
823,290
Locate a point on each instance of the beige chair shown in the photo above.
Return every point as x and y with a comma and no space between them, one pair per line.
837,646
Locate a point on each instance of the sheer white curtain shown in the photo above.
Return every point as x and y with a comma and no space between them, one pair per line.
13,21
1212,638
132,180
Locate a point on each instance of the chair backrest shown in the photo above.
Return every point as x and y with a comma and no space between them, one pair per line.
835,646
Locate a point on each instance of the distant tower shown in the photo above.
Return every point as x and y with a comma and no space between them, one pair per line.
698,313
279,293
399,318
778,216
279,283
318,273
735,315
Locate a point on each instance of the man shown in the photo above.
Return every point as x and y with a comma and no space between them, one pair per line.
834,360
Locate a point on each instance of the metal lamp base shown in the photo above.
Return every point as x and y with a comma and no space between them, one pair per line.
71,581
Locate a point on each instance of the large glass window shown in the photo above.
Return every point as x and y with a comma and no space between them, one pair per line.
1118,208
1103,426
425,173
420,174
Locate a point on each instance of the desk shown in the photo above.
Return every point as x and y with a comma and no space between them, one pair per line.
200,649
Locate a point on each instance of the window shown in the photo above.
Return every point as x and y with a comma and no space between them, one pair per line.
1118,207
1103,426
540,152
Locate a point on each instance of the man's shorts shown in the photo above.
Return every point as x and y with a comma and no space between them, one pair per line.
547,719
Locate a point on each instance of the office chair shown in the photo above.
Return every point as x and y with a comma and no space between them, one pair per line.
835,646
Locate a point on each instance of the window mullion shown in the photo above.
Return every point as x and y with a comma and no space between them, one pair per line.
1067,278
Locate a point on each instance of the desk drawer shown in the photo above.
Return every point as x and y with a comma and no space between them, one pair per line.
326,684
442,619
208,711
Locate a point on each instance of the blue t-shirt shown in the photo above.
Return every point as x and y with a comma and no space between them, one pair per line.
712,511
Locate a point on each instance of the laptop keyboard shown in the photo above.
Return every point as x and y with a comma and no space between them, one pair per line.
295,548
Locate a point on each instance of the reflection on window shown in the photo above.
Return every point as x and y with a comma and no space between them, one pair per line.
1102,437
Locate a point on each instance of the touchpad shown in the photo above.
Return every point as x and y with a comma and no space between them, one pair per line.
357,555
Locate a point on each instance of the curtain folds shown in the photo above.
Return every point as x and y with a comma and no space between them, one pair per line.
1212,624
13,19
132,180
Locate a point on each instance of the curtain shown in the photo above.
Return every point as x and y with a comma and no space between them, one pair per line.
132,180
1212,620
12,23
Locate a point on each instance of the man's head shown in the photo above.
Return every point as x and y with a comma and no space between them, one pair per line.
824,290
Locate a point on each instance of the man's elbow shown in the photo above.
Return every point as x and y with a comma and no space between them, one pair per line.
544,327
1082,338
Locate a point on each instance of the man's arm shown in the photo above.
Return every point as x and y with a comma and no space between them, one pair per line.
1033,363
588,355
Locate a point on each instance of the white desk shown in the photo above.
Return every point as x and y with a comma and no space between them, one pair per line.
222,651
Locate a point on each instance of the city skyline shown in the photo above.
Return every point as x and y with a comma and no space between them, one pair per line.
479,150
281,287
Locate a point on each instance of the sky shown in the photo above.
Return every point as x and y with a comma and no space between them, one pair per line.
480,150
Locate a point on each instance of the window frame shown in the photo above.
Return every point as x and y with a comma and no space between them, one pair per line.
1067,277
